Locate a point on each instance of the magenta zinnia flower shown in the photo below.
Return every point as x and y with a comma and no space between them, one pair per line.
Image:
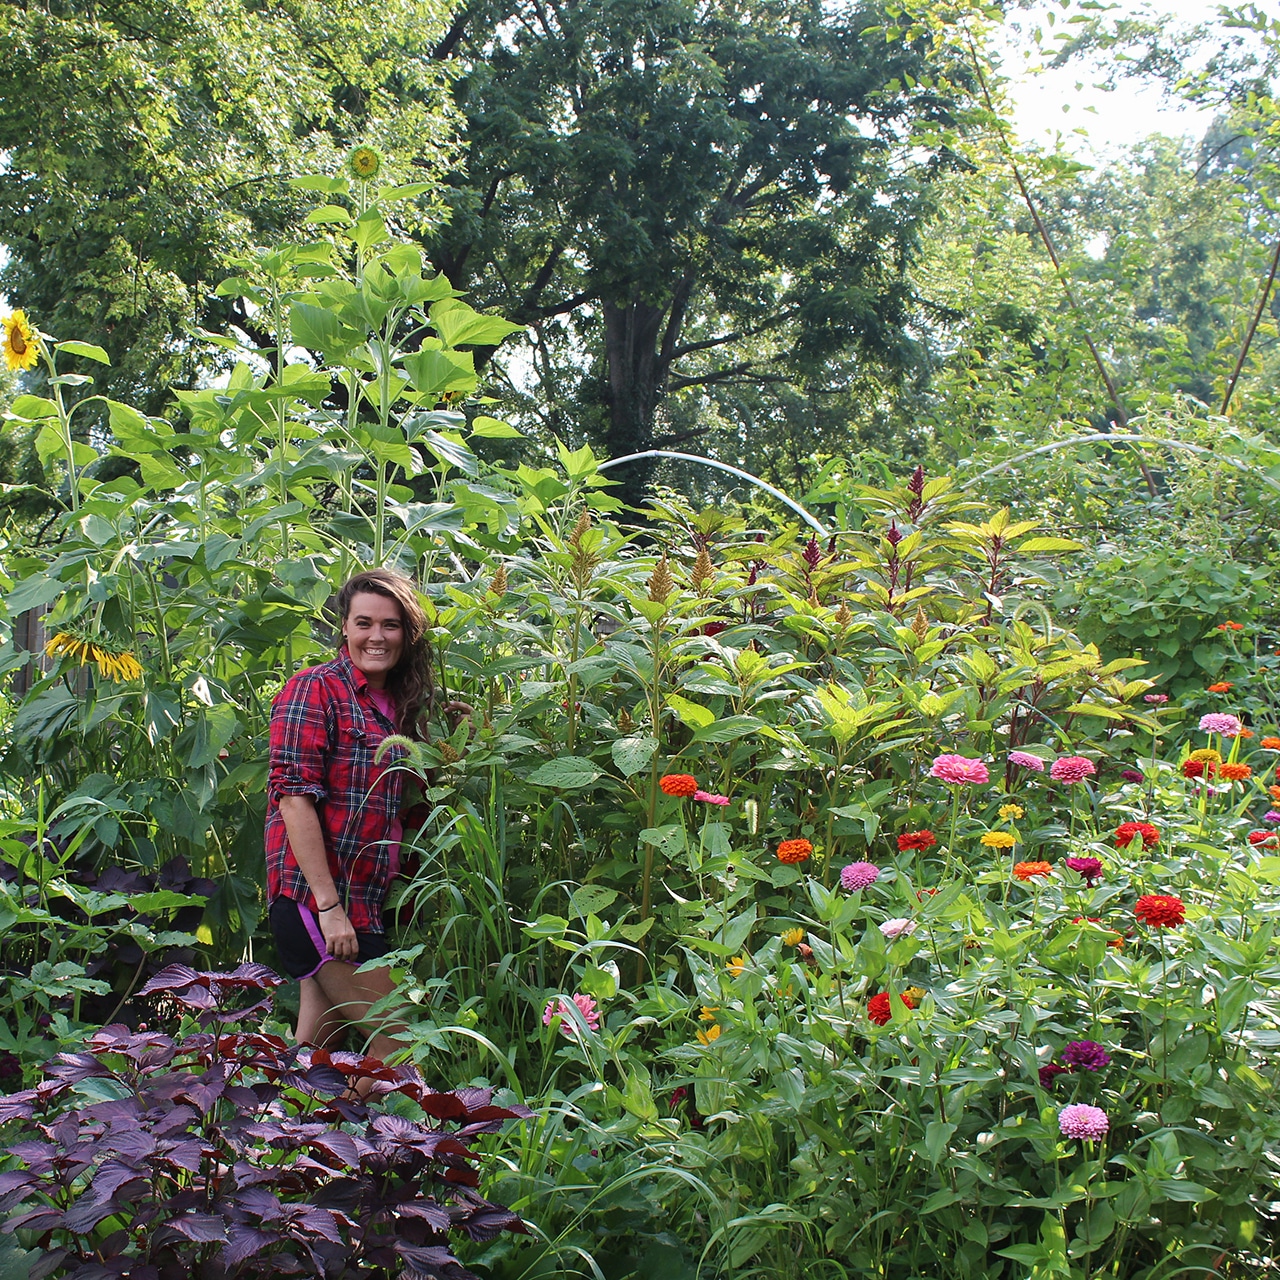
1079,1120
958,770
857,875
1272,816
1089,868
707,798
586,1006
1220,722
1131,775
1155,698
1026,760
1071,769
1086,1055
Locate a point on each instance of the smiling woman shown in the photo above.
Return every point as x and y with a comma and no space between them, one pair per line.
333,827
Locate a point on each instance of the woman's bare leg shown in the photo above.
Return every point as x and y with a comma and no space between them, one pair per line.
319,1024
349,996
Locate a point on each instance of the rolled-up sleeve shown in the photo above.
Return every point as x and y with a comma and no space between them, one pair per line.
299,740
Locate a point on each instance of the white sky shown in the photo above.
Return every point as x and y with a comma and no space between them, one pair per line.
1071,105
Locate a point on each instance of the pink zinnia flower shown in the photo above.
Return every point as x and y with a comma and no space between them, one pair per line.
1025,760
1079,1120
1155,698
896,927
958,770
857,875
1220,722
1271,815
586,1006
1071,769
707,798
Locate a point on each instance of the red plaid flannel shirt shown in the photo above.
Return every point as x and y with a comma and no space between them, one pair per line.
325,731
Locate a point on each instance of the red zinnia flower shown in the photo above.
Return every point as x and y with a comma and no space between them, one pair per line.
1160,910
1198,768
1126,831
916,840
678,784
1263,837
879,1010
794,850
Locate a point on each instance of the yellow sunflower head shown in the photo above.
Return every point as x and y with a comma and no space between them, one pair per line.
112,660
21,346
363,164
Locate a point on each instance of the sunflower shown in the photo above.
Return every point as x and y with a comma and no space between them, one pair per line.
115,664
363,164
21,346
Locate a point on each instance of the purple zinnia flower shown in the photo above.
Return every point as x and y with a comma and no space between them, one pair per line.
1271,815
1079,1120
1072,769
1025,760
857,875
1131,775
1086,1055
1049,1072
1220,722
1089,868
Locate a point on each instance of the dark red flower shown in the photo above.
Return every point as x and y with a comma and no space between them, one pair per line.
916,840
1049,1072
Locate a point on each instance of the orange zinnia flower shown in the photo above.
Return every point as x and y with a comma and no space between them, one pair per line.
1235,772
678,784
1220,686
1271,744
794,850
1029,870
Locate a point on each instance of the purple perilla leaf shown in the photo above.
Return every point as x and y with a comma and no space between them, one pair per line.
430,1262
261,1203
243,1241
489,1223
44,1218
203,1228
74,1067
428,1210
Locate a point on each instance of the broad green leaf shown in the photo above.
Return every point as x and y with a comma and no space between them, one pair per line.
492,429
328,214
690,713
33,407
591,899
632,754
458,324
85,349
568,773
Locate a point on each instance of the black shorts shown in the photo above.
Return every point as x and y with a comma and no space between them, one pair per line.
300,944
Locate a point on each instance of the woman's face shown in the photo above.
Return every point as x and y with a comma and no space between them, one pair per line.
375,635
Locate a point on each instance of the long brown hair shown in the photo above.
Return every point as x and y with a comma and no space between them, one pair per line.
409,682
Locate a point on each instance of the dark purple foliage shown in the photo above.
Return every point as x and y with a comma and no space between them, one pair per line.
235,1154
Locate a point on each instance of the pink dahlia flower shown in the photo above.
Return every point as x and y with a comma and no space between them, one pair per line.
1071,769
1079,1120
958,770
1220,722
1025,760
708,798
857,875
586,1006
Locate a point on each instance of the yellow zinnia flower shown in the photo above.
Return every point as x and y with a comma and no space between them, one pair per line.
998,840
21,346
1206,755
1014,811
710,1034
793,937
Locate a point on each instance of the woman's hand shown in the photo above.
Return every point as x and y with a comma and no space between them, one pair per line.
456,712
339,936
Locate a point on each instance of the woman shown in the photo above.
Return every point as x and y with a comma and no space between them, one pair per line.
333,828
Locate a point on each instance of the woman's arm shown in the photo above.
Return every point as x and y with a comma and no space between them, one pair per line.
306,840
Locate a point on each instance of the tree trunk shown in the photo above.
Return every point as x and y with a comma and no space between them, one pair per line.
636,373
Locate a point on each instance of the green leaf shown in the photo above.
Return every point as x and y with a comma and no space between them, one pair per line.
733,727
327,214
568,773
632,754
433,372
591,899
33,407
1032,545
86,349
33,593
491,429
457,323
690,713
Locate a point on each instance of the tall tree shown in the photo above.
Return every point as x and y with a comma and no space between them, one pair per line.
148,142
679,196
